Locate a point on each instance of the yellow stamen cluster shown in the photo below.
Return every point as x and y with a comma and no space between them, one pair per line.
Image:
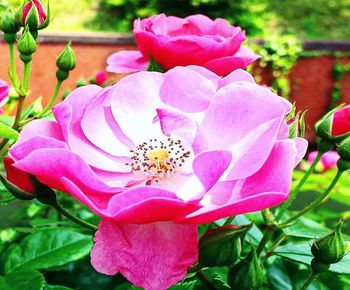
158,159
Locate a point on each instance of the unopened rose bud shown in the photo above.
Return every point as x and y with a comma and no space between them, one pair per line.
248,274
26,46
33,14
329,249
9,26
221,246
335,125
66,62
18,182
101,77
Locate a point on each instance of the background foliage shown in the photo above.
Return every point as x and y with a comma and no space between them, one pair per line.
307,19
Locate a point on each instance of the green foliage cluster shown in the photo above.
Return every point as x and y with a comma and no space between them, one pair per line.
307,19
279,54
250,15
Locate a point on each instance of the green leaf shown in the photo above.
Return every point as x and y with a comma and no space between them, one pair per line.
277,275
7,132
184,286
301,253
154,66
8,120
306,228
56,287
47,249
23,280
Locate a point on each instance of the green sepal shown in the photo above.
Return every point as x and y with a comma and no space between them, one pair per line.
343,149
222,246
16,191
32,19
44,194
154,66
248,274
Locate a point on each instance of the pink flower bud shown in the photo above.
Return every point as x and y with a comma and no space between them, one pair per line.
101,77
341,121
33,15
334,126
18,177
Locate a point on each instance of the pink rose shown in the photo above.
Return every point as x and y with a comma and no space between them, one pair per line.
194,40
328,160
157,154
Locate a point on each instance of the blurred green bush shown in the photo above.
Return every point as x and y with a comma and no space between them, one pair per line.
307,19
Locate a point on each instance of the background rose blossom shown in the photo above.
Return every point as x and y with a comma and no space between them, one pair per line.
229,135
327,162
194,40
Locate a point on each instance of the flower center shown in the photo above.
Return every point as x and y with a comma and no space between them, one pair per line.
157,159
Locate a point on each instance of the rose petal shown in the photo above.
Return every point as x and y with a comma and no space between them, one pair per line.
18,177
225,65
236,76
100,127
126,62
173,122
50,165
134,102
266,188
186,90
209,166
152,256
69,114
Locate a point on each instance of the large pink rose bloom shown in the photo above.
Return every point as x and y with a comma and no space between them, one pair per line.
157,154
194,40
